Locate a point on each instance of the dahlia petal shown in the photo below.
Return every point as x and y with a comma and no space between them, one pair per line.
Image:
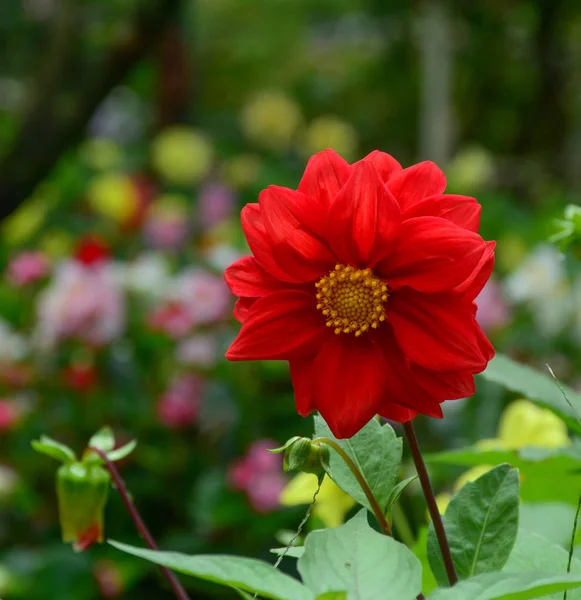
417,182
364,218
432,255
397,413
307,211
259,242
349,379
304,256
445,386
461,210
325,174
437,331
385,164
242,307
280,326
473,285
246,277
402,388
301,372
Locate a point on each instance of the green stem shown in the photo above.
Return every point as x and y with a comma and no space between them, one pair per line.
379,515
402,525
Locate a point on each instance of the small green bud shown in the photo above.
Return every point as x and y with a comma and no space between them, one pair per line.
306,456
82,491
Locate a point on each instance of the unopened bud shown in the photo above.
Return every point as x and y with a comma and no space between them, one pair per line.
306,456
82,491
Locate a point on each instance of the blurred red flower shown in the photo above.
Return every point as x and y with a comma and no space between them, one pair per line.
364,280
92,250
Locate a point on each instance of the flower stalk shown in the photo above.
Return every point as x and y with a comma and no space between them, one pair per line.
431,501
173,581
379,515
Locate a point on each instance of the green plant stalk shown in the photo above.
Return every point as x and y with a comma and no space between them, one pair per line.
431,501
173,581
379,515
402,525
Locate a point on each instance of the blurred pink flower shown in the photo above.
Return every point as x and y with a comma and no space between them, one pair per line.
166,231
83,303
10,414
216,204
206,295
493,310
180,405
199,350
27,267
109,578
172,318
259,474
196,297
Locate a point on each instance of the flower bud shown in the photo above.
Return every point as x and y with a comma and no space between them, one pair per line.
82,491
306,456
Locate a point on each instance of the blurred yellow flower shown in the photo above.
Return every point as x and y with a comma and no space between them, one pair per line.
102,154
21,225
331,132
470,170
181,155
522,424
114,196
271,119
56,244
171,205
526,424
332,503
242,170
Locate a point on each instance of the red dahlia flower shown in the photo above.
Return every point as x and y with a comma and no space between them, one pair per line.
364,279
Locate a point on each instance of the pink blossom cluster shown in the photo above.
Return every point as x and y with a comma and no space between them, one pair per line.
259,474
196,297
82,302
180,405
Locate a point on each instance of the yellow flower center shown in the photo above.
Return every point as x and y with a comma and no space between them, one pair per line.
353,300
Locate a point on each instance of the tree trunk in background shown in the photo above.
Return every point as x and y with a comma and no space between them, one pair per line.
54,126
544,126
435,40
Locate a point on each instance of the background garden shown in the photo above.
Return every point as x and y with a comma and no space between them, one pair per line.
131,134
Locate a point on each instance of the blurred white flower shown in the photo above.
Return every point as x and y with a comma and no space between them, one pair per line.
148,275
541,283
199,350
221,256
84,303
541,272
206,295
13,346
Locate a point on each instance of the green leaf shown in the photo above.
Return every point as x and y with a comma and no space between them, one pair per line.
122,452
420,549
548,474
54,449
292,552
536,554
103,439
376,451
356,558
398,490
481,524
551,520
507,586
536,386
333,596
246,574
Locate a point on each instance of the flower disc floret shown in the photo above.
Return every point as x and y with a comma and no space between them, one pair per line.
352,300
